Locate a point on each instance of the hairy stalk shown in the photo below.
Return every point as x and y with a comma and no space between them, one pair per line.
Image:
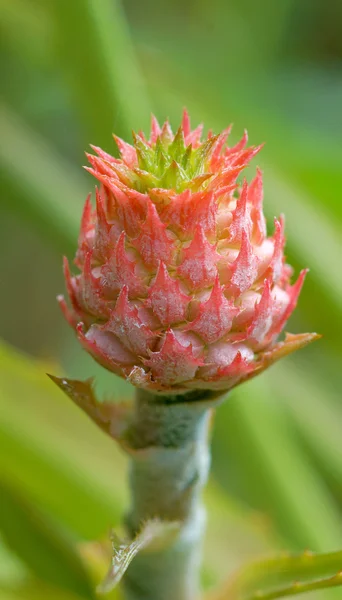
169,466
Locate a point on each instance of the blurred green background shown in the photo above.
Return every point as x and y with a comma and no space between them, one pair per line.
72,73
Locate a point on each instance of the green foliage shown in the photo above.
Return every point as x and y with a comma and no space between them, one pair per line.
285,575
100,67
43,548
47,446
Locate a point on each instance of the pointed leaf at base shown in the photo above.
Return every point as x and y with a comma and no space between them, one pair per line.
155,534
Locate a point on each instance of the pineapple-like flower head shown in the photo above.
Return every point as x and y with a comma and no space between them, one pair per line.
179,286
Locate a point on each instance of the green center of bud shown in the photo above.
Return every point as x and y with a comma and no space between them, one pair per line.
169,164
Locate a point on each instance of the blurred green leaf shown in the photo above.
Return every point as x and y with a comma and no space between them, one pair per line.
26,29
255,432
12,570
37,590
284,576
98,58
234,535
317,416
305,225
49,193
41,545
53,454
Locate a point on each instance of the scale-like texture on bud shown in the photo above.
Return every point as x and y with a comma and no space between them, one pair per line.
179,287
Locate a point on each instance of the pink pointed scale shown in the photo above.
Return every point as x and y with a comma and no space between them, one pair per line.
246,156
102,229
188,209
198,267
130,209
127,152
153,243
225,181
186,126
100,165
293,294
70,315
174,363
70,286
155,130
245,267
166,132
215,316
86,235
216,158
290,344
125,323
237,149
91,290
167,300
221,356
103,154
263,315
194,137
239,368
277,260
105,348
119,271
255,198
203,210
87,221
118,174
241,216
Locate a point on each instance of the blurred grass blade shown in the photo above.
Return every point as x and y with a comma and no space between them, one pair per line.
283,576
12,569
307,225
317,416
41,545
27,30
49,192
279,476
48,451
99,60
36,590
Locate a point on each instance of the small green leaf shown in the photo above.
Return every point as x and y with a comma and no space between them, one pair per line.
202,155
177,148
285,575
111,417
173,176
187,157
145,154
160,158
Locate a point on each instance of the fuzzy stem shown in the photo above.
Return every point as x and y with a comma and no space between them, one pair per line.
169,466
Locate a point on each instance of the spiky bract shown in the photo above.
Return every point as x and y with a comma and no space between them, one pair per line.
179,287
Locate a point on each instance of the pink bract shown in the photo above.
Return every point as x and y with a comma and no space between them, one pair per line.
179,287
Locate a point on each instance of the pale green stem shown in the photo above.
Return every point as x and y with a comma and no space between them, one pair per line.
169,466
